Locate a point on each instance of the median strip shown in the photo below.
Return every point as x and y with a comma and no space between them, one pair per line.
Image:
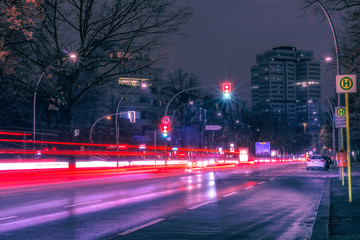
140,227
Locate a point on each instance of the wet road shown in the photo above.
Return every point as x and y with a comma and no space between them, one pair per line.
272,202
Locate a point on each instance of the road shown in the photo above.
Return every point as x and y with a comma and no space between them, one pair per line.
272,202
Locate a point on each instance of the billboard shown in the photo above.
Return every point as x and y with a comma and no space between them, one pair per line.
262,148
243,154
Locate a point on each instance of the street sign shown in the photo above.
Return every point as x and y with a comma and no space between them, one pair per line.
340,117
165,120
212,127
262,148
346,83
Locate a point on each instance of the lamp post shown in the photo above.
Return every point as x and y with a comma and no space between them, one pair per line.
34,107
177,94
73,57
340,131
108,117
143,85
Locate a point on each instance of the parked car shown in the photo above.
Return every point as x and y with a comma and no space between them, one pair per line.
316,161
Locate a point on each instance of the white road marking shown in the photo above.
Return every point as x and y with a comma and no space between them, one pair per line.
229,194
248,187
271,179
139,193
6,218
84,203
140,227
261,182
199,205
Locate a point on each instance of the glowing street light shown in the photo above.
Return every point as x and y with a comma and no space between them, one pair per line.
328,59
74,58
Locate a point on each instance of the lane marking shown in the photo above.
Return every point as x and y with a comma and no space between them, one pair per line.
248,187
271,179
139,193
261,182
140,227
84,203
229,194
199,205
6,218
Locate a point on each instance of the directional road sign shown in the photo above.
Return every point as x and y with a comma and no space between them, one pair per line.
262,148
212,127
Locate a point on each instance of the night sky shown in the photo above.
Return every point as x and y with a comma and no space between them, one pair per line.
223,37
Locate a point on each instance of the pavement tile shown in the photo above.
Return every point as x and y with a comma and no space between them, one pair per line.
344,216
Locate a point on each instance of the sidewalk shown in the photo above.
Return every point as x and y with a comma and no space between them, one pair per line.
337,218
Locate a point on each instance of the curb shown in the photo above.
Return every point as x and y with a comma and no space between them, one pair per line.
321,225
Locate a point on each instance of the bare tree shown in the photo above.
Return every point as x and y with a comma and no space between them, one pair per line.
185,108
81,44
333,5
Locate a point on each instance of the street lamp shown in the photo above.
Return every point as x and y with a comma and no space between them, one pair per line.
74,58
340,143
143,85
107,117
34,106
304,124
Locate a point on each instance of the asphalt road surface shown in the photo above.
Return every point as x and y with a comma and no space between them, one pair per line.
260,202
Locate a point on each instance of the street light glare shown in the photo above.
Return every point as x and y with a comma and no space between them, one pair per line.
73,56
328,59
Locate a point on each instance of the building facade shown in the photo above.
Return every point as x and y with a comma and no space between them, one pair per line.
286,81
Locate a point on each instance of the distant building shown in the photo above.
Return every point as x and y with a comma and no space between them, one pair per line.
286,81
140,109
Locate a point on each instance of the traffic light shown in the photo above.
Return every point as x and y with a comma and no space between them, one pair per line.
164,130
226,88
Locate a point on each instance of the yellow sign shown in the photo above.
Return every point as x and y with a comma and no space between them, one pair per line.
346,83
341,111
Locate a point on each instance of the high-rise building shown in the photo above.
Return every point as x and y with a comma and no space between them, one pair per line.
286,81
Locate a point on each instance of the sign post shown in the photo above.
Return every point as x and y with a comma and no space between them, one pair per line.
347,84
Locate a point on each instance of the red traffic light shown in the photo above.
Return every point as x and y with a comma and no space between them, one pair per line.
164,130
226,88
